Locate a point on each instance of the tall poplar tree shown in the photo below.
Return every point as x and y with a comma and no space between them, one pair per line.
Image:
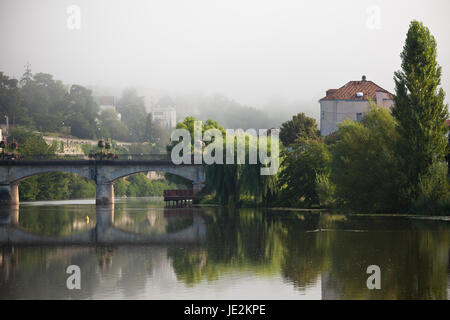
419,107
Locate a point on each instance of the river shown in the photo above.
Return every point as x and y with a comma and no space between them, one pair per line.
140,250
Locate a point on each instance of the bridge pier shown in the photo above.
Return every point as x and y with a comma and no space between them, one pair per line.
9,194
105,193
197,187
105,221
9,215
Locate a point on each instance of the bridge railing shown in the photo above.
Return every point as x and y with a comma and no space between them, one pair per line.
142,156
43,157
179,193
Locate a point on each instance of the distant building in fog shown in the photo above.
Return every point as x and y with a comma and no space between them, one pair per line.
166,117
105,102
164,113
350,101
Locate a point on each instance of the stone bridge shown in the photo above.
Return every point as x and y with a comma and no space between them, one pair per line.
102,172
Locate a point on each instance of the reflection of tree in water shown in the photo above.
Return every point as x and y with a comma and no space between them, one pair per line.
260,242
57,220
413,255
307,249
247,241
413,261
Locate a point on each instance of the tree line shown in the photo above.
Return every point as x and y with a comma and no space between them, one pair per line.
39,102
392,161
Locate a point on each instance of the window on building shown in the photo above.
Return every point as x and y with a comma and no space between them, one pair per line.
359,117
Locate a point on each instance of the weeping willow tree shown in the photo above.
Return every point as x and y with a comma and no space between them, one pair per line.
240,175
233,170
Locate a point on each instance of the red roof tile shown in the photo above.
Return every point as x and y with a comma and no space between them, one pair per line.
349,91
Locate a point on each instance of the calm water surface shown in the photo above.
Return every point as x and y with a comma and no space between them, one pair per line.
214,253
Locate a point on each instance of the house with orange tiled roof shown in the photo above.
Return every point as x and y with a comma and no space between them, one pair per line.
350,101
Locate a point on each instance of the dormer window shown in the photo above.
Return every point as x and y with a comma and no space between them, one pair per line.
360,94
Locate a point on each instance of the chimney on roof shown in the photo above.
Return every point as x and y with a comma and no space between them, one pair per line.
331,91
363,78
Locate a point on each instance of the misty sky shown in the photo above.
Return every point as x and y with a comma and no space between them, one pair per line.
247,50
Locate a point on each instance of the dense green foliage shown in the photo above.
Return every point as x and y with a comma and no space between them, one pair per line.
41,103
111,126
304,158
47,105
134,116
419,108
189,124
31,143
138,185
360,169
56,185
230,183
300,127
52,186
301,167
365,166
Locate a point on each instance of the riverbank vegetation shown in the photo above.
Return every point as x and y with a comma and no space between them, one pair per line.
392,161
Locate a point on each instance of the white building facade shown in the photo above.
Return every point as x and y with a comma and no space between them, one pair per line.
350,101
165,116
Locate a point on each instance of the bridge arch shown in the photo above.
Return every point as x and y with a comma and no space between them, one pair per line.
194,174
17,174
106,175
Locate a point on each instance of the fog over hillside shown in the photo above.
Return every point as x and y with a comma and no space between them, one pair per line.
276,56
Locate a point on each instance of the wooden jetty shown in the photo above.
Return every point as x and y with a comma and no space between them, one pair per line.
179,198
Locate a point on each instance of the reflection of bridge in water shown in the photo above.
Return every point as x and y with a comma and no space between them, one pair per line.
103,233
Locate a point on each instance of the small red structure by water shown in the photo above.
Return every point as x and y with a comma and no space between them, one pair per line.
179,198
